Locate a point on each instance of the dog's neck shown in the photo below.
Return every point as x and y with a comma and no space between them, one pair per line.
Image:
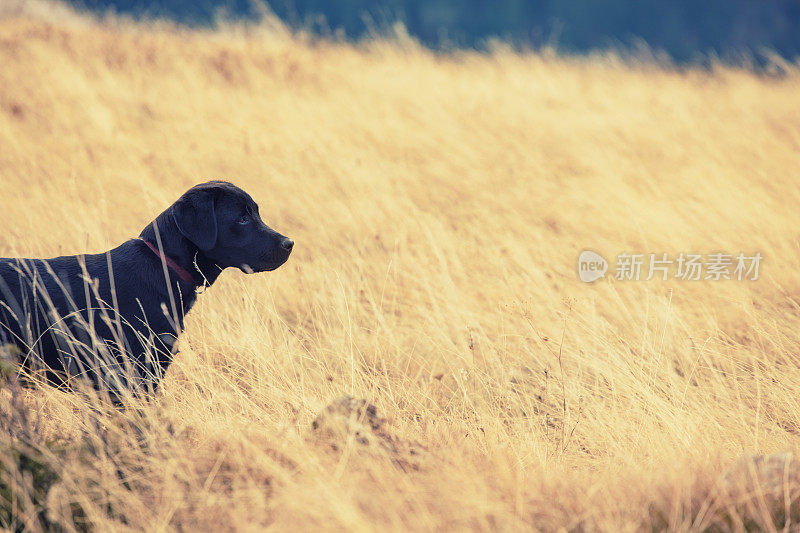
181,251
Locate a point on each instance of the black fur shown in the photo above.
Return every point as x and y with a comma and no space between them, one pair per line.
114,317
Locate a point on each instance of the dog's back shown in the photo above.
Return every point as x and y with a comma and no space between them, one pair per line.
70,319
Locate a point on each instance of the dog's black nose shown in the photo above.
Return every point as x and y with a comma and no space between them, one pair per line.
287,244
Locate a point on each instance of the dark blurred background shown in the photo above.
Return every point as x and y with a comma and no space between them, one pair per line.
687,30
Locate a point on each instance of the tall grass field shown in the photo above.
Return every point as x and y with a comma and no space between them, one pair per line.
428,358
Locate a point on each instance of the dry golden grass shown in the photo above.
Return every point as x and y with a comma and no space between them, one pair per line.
438,205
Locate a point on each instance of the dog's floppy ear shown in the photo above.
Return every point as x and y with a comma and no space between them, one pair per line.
195,217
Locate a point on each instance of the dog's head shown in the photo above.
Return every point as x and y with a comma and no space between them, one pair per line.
223,222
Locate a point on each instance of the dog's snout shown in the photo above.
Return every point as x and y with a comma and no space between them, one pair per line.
287,244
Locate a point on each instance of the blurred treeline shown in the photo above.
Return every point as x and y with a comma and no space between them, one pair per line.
684,29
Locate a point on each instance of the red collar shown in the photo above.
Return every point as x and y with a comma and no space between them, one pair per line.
182,273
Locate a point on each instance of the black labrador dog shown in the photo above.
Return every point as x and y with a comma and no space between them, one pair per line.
113,318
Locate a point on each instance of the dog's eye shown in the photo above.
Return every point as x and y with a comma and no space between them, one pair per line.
243,220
